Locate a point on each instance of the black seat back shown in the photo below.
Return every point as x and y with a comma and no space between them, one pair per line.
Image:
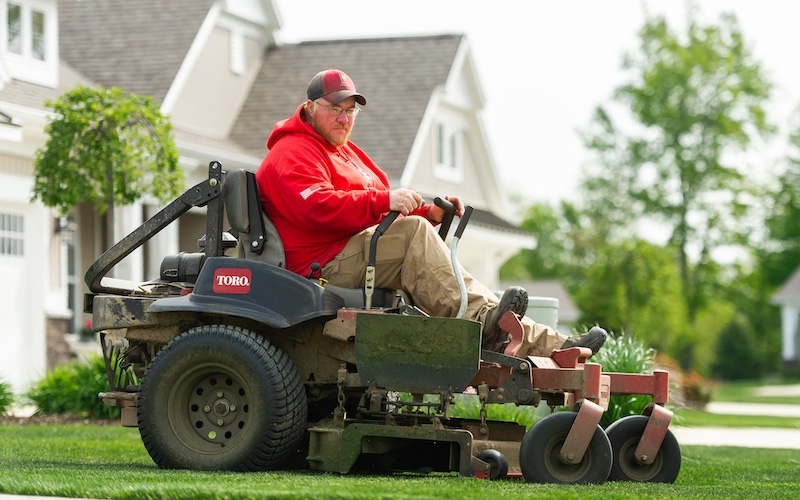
258,238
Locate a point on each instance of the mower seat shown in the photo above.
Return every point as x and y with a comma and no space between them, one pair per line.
258,237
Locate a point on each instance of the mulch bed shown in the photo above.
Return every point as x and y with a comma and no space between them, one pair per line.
54,419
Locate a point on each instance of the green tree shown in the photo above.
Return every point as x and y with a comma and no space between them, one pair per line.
780,256
776,255
738,354
548,259
663,155
634,287
694,99
568,240
105,148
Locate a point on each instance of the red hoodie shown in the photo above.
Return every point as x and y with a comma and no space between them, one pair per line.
319,195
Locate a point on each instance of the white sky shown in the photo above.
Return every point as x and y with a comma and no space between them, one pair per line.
545,65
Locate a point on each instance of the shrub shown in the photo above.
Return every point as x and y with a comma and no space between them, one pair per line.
6,397
624,354
469,406
72,388
738,353
697,390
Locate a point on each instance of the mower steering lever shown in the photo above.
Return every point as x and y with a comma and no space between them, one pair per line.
369,280
449,213
382,227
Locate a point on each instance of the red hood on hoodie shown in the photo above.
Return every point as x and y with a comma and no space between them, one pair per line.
318,195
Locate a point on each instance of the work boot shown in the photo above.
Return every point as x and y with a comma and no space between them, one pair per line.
593,339
514,299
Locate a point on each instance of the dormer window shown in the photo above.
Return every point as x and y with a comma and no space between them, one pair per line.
26,35
29,41
449,162
14,22
37,35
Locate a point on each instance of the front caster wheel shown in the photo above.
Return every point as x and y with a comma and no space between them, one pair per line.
540,453
624,435
498,464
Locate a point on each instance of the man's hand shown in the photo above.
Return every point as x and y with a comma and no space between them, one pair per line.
404,200
436,214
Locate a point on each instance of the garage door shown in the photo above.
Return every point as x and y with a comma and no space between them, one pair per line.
14,294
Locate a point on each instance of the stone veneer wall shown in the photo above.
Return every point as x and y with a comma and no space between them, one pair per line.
58,350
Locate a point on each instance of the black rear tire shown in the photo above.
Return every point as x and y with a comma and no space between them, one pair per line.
219,397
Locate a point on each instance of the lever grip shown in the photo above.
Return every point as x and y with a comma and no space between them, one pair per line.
464,220
449,213
382,227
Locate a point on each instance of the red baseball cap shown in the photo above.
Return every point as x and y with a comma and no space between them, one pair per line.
334,86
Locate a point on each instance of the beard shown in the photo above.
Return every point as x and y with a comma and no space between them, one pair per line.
336,135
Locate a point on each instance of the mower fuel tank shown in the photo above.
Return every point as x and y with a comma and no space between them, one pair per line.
183,267
250,289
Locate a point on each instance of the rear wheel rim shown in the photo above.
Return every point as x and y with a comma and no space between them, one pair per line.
209,408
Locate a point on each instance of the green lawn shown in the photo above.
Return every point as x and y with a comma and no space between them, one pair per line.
697,418
110,462
747,392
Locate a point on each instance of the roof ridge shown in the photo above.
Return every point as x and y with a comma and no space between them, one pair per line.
369,38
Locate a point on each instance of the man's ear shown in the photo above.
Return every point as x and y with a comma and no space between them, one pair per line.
308,107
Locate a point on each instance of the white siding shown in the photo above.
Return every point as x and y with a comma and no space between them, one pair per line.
26,284
214,94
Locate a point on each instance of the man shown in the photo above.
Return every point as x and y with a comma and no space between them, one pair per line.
325,197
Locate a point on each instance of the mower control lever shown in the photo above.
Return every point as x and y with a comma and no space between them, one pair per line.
369,279
449,213
382,227
462,287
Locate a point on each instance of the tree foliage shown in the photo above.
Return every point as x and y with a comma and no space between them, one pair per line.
634,287
694,99
548,259
666,157
105,148
569,239
780,256
738,354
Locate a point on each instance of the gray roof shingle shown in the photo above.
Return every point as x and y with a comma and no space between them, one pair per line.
136,45
34,96
396,75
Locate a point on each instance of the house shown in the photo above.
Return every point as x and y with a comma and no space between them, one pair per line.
218,70
788,298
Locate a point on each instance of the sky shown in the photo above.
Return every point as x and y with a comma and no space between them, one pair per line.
544,66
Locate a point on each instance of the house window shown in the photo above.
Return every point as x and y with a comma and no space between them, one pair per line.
12,235
26,31
37,35
237,53
14,26
440,144
449,163
29,40
453,151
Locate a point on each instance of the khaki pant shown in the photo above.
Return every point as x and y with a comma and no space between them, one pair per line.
411,256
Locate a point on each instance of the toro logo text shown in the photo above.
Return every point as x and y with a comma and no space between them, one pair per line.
232,280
